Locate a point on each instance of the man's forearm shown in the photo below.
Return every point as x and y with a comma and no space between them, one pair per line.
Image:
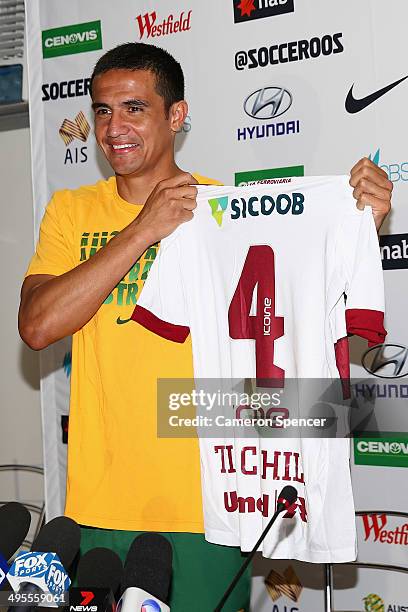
63,304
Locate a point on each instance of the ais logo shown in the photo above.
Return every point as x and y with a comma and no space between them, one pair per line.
288,585
78,129
253,206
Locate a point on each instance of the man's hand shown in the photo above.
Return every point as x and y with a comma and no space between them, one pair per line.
371,188
170,203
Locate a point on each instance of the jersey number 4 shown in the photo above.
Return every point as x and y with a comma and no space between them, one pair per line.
264,327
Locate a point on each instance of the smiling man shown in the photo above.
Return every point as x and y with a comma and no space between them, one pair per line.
96,246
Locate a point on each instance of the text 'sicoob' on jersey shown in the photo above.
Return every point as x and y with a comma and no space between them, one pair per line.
259,278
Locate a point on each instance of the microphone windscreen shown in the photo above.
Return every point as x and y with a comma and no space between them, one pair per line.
100,568
148,565
15,522
286,498
62,535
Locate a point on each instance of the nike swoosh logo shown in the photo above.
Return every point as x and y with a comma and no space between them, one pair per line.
120,321
354,105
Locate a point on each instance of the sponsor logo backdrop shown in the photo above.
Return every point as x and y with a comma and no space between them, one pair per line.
282,89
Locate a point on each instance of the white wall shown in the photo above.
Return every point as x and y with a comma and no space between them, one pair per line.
20,422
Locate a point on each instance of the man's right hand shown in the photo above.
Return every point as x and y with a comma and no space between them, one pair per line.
170,203
46,310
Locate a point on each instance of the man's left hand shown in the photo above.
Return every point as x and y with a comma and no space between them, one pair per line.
371,188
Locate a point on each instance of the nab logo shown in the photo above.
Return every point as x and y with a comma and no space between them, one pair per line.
218,207
246,10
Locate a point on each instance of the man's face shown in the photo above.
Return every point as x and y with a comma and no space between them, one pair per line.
130,121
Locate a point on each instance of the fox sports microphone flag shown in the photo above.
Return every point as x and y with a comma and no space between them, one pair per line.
259,277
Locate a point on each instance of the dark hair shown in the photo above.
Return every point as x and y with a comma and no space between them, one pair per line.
140,56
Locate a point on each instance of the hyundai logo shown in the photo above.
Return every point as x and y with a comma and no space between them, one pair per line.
268,103
377,358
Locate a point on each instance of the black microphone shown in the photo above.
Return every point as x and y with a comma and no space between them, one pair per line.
62,536
99,574
15,522
147,574
38,571
287,497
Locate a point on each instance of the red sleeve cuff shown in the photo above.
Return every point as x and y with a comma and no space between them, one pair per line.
368,324
341,349
176,333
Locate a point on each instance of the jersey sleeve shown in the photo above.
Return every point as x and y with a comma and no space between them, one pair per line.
54,251
162,307
364,283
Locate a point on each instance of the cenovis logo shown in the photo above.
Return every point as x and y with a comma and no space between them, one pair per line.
268,102
386,449
78,38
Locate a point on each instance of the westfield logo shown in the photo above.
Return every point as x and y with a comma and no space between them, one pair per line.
375,530
151,28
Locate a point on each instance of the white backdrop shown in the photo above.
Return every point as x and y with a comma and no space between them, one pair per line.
348,43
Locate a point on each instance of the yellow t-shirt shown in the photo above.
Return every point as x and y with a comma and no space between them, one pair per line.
120,474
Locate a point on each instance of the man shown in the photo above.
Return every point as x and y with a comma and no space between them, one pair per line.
122,479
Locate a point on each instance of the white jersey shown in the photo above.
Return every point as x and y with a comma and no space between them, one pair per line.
259,278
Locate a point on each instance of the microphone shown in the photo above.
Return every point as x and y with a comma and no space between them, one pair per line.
62,536
42,569
147,575
15,522
99,574
287,497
